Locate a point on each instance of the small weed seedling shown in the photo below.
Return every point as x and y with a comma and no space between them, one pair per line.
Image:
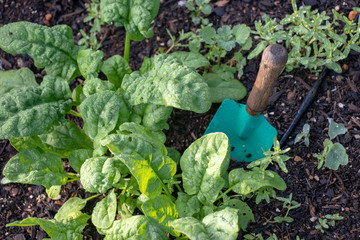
304,134
198,8
327,222
289,204
334,154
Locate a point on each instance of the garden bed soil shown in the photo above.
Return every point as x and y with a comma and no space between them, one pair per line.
320,192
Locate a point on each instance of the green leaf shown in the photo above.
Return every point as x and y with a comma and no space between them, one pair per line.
101,111
187,205
258,49
104,212
135,15
336,129
78,157
126,206
153,117
52,48
204,165
191,227
22,144
13,79
53,192
99,174
170,84
64,139
206,9
77,95
218,225
71,209
225,38
136,227
162,210
96,85
336,156
192,60
115,68
33,110
89,62
36,167
241,33
221,89
207,34
65,230
334,66
244,213
246,182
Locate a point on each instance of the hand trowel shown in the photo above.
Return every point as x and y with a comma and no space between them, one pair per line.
250,134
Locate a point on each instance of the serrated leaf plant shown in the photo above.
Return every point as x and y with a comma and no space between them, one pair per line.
304,134
313,39
334,154
199,8
327,221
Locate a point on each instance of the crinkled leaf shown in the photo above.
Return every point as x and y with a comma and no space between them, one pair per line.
126,206
245,214
204,165
34,166
96,85
78,157
170,84
153,117
33,110
221,89
162,210
99,174
104,212
136,227
191,227
89,62
191,59
100,112
135,15
71,209
222,224
77,95
22,144
336,156
245,182
336,128
218,225
115,69
64,139
21,78
225,38
65,230
52,48
187,205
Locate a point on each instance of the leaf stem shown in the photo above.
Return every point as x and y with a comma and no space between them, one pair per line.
127,47
74,113
94,196
224,193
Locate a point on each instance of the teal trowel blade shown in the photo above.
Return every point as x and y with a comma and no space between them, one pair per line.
249,136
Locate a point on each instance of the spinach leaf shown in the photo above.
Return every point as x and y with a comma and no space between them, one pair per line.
162,210
245,182
115,69
245,214
96,85
168,83
21,78
191,59
34,110
104,212
71,209
136,227
89,62
151,116
99,174
135,15
204,165
187,205
34,166
78,157
52,48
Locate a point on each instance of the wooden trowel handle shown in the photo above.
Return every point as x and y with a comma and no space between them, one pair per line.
273,61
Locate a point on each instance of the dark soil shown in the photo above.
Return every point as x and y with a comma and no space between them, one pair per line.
320,192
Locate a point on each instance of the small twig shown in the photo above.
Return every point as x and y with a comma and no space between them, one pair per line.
73,13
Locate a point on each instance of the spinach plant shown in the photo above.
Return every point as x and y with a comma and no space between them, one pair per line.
311,37
334,154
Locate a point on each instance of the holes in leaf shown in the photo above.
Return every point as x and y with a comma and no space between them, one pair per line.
10,33
130,139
